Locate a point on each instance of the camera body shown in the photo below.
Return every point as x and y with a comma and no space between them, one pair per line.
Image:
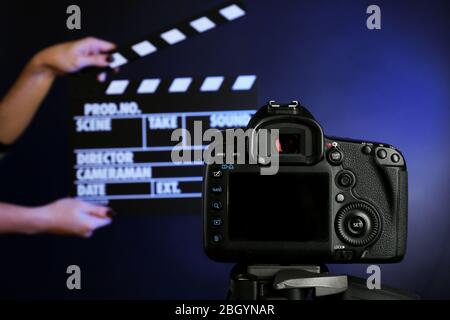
331,200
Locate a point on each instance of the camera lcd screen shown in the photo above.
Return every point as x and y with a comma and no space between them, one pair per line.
281,207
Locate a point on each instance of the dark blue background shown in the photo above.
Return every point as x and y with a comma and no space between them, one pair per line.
388,85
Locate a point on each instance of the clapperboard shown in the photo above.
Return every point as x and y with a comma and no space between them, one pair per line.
121,129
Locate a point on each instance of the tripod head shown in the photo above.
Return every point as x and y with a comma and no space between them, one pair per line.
302,282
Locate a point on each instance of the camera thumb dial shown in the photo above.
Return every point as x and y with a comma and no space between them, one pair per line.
357,224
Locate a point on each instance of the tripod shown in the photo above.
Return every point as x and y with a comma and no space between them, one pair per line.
303,282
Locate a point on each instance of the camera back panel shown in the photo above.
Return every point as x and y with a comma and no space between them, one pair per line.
351,206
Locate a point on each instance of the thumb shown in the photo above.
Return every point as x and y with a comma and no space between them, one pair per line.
94,223
99,223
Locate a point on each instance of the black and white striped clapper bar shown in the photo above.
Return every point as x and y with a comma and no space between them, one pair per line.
178,33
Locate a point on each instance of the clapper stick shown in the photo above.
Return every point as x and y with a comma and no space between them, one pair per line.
170,36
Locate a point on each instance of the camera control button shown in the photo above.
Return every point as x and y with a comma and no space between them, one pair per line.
216,174
217,189
216,238
216,205
345,180
340,197
381,153
366,149
335,156
343,254
356,225
395,158
216,222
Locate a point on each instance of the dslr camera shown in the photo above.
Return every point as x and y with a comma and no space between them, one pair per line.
331,200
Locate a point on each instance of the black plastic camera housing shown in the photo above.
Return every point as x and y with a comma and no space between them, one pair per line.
332,199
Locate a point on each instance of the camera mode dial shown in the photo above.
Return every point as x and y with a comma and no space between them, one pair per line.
357,224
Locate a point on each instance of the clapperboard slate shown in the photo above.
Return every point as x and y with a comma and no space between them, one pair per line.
121,129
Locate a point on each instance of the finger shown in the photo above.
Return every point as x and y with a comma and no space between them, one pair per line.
95,210
87,234
92,223
101,77
111,213
99,222
96,60
100,44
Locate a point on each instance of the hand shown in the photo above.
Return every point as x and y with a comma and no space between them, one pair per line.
73,217
69,57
